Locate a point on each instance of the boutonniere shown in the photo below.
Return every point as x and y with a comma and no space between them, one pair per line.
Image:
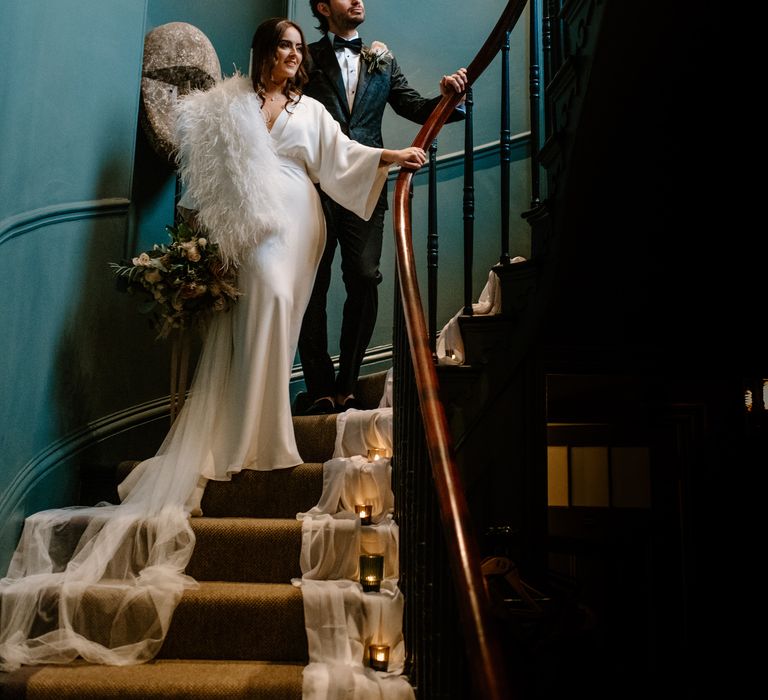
377,56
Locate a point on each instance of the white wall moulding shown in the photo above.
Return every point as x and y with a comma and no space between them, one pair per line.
60,451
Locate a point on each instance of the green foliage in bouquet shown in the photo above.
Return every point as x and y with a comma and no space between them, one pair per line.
182,283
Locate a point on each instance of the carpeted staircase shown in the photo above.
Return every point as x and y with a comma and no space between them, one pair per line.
241,633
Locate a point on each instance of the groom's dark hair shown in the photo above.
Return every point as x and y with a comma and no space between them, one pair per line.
323,26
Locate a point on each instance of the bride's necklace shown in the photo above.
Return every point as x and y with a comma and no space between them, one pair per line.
269,104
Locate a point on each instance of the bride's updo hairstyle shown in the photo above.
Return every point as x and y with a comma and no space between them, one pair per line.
264,52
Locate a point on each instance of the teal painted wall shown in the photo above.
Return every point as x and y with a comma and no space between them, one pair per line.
67,127
83,381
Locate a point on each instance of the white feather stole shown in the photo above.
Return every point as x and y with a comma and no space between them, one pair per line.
228,165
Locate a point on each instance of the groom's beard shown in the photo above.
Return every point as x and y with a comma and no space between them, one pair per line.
349,22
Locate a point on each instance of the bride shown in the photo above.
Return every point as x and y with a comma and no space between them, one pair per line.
102,582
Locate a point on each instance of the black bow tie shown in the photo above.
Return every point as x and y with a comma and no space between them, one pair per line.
352,44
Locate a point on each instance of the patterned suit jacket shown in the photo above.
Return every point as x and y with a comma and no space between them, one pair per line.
385,85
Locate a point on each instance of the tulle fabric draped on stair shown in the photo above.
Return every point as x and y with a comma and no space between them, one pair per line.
110,603
450,343
341,620
102,582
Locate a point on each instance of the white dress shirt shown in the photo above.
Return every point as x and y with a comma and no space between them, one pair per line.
349,62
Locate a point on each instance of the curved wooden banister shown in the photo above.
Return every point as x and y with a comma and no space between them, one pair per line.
483,648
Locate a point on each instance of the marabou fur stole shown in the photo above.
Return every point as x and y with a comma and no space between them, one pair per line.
228,166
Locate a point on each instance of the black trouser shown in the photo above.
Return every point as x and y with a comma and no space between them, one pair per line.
360,245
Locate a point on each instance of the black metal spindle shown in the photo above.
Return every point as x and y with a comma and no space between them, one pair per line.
535,96
432,242
553,38
469,202
546,40
410,493
403,486
436,664
505,151
549,60
560,35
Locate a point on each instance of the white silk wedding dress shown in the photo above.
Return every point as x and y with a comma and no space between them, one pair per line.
255,193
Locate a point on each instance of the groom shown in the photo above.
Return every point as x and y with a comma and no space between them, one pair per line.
354,82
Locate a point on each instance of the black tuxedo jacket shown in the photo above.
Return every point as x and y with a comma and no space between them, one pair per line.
385,84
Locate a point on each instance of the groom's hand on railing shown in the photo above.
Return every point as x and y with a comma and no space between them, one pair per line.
456,82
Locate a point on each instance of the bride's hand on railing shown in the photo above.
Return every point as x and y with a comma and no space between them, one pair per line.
456,82
412,157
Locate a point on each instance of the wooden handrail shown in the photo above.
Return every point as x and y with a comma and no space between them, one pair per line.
483,647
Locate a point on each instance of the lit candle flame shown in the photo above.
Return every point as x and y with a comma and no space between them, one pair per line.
377,453
378,657
364,511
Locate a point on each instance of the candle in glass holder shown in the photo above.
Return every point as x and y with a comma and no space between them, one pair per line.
364,512
371,572
378,657
377,453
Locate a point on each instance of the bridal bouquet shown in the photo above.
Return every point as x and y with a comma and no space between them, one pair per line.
182,282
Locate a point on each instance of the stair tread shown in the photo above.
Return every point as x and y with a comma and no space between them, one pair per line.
243,523
234,620
315,436
205,589
240,589
279,493
160,678
273,547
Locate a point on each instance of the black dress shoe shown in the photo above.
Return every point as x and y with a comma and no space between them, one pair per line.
352,402
321,407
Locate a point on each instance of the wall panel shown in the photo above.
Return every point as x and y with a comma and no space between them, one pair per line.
68,110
